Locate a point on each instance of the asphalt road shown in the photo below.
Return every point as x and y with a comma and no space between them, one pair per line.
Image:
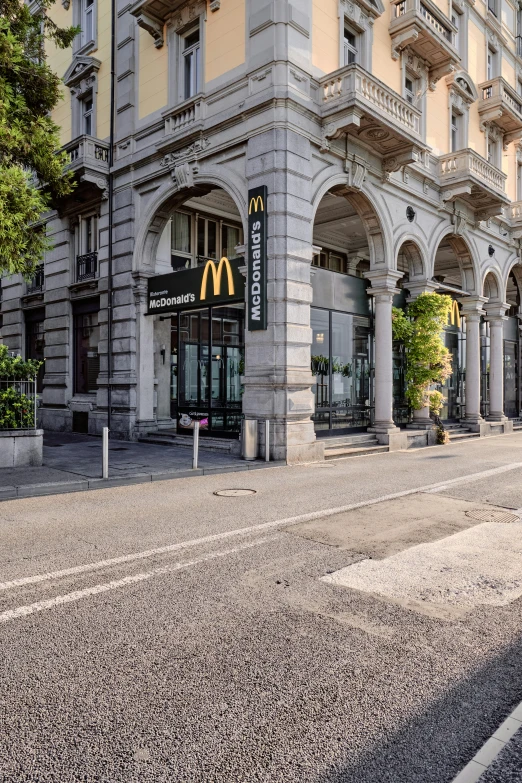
159,632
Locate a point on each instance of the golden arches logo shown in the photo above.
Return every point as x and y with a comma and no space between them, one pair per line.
217,274
454,316
256,203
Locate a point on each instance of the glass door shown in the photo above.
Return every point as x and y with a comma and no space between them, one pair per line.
511,404
341,364
193,370
227,353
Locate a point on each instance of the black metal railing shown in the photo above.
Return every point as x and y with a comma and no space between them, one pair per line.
86,266
37,281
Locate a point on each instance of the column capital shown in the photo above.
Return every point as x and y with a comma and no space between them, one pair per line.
471,306
496,312
420,286
384,282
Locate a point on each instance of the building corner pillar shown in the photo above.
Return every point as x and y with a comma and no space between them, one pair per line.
145,353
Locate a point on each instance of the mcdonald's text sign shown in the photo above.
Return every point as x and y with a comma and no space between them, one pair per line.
257,252
214,282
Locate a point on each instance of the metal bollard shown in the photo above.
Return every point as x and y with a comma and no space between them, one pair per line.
267,440
105,453
196,446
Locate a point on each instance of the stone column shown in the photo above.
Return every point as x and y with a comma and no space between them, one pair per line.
495,317
421,417
383,290
472,310
145,356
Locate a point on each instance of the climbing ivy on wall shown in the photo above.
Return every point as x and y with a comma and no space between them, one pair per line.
428,361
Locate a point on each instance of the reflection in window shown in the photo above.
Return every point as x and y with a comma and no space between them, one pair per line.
86,357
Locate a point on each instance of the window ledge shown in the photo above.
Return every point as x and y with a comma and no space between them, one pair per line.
87,48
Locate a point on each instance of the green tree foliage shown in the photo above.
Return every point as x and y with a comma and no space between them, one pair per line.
31,172
16,407
428,361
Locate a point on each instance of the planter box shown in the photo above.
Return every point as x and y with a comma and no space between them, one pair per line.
21,447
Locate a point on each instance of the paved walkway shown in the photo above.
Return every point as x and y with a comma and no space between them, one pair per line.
74,462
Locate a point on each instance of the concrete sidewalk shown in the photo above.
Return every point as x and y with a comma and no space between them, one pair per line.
73,463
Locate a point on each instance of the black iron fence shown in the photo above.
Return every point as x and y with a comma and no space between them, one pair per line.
37,281
86,267
18,403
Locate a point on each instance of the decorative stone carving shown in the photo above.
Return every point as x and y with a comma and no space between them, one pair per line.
356,169
153,26
82,74
102,183
397,162
215,5
66,4
192,151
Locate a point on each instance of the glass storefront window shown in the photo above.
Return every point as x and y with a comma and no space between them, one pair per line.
342,367
511,405
208,366
230,237
35,342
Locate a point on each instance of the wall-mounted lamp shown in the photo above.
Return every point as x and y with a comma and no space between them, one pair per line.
319,337
163,352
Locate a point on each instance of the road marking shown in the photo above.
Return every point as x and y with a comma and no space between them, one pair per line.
162,550
77,595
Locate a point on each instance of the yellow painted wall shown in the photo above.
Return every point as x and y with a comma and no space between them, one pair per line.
437,120
225,39
153,74
510,168
383,67
103,53
508,72
59,60
325,35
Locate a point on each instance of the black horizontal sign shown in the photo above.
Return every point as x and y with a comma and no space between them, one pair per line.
216,282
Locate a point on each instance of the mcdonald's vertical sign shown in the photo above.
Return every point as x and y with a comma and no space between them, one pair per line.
257,252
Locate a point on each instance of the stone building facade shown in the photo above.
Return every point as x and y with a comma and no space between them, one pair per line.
388,139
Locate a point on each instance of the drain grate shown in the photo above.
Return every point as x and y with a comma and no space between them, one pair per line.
234,493
484,515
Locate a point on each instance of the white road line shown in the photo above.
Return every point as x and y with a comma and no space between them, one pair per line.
162,550
77,595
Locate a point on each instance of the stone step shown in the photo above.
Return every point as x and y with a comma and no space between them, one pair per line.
463,435
344,451
224,446
349,440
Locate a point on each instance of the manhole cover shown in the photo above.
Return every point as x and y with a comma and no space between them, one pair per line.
234,493
483,515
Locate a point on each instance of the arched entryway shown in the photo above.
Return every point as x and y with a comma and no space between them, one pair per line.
512,369
455,275
191,352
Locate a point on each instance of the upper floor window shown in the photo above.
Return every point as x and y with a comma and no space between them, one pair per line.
493,7
519,182
350,47
191,63
493,152
456,122
195,238
492,63
410,91
456,18
87,21
88,115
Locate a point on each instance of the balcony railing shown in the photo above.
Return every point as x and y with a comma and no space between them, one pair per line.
86,267
500,103
37,282
183,117
86,150
436,23
352,81
469,163
422,26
